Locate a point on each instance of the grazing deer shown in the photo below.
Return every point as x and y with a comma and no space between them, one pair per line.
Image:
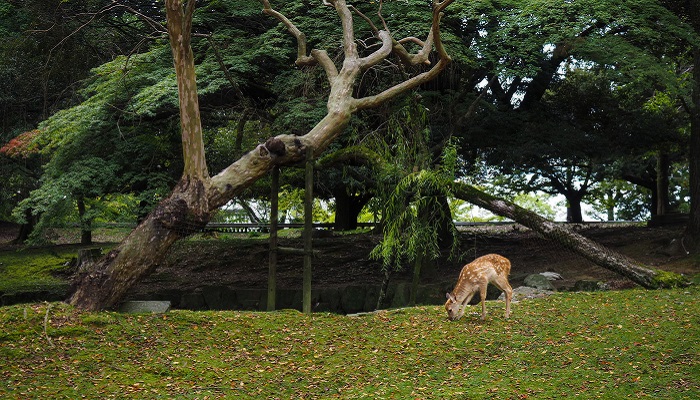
476,276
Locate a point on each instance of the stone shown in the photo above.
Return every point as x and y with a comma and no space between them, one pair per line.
400,294
371,298
193,301
552,276
219,298
144,306
328,300
352,299
251,299
288,299
430,294
538,281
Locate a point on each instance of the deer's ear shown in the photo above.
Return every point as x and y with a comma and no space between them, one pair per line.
449,296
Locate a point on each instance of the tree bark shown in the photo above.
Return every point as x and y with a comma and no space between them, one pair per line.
600,255
196,196
26,228
85,224
662,173
574,213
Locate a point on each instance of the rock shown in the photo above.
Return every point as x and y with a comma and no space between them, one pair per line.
538,281
552,276
590,286
288,299
138,307
328,300
431,294
675,248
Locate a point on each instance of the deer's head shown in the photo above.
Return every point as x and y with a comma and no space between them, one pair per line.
455,310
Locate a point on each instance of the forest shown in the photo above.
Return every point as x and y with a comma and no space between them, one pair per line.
432,114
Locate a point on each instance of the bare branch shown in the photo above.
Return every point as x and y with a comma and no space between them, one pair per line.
227,73
369,21
381,53
321,56
187,22
341,105
417,58
346,21
433,38
379,13
412,39
157,26
302,58
373,101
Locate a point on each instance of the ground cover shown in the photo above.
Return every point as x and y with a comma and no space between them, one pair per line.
617,344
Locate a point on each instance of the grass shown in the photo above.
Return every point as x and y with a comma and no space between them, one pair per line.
34,269
632,343
38,269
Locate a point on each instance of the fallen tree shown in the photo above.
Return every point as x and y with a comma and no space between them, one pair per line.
647,277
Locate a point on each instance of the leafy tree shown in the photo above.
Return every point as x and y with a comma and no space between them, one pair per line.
197,195
48,48
540,97
690,12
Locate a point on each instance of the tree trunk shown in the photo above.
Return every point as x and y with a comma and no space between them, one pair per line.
347,208
662,173
85,224
600,255
106,281
187,210
26,228
573,209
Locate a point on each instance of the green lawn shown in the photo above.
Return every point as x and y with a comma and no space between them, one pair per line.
32,270
631,343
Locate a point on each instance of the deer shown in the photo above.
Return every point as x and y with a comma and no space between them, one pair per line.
475,276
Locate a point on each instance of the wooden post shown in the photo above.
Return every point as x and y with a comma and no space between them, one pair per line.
274,217
308,221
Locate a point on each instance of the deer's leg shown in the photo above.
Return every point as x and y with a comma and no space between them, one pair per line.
503,284
465,303
509,296
482,293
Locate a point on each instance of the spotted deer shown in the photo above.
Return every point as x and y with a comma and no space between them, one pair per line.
475,276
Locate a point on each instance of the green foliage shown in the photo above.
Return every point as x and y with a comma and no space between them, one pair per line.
609,344
291,206
412,187
620,200
615,59
412,220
